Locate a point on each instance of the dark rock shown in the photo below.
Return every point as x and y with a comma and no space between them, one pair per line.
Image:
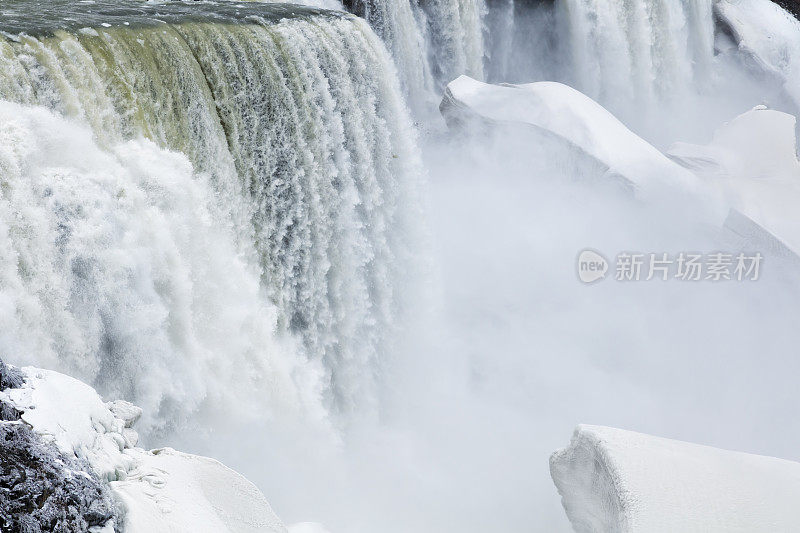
10,377
792,6
41,489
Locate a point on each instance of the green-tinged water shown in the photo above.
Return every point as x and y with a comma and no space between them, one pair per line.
299,126
43,17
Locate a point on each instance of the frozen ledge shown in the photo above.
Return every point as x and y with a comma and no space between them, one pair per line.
611,480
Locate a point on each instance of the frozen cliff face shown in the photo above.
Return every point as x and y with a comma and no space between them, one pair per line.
68,446
619,481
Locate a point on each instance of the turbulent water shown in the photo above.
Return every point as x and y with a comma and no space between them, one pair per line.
211,209
432,41
645,60
638,51
134,267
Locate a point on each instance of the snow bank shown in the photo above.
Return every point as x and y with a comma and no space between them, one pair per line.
173,491
768,35
159,490
567,114
752,162
307,527
620,481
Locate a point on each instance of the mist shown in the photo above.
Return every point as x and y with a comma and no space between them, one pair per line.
510,351
412,339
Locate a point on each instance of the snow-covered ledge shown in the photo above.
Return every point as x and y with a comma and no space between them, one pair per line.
158,490
611,480
556,112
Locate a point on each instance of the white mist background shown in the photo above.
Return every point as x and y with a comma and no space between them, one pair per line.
510,351
507,351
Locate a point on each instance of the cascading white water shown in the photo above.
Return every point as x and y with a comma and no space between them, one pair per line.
642,59
638,51
116,267
500,24
432,41
401,25
304,166
457,37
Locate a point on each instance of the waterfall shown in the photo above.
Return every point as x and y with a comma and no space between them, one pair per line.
270,166
457,35
432,41
401,25
633,56
524,41
638,51
500,22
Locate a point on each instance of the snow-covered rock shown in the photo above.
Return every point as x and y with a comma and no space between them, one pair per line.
768,35
752,162
42,489
561,112
613,480
160,490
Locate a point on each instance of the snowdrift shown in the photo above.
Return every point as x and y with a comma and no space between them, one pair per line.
612,480
752,163
766,34
561,112
160,490
748,176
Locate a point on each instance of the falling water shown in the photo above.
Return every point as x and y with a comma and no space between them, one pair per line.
432,41
300,180
643,53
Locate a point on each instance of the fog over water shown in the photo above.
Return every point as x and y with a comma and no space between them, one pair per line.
273,243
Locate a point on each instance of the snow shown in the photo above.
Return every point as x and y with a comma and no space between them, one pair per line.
752,162
576,119
615,480
307,527
72,415
768,35
160,490
750,167
170,491
44,489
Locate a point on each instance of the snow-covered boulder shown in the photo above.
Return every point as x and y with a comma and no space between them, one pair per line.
159,490
560,112
612,480
752,162
768,35
42,489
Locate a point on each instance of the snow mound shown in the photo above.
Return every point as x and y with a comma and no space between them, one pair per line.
752,162
159,490
768,35
619,481
307,527
170,491
560,111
